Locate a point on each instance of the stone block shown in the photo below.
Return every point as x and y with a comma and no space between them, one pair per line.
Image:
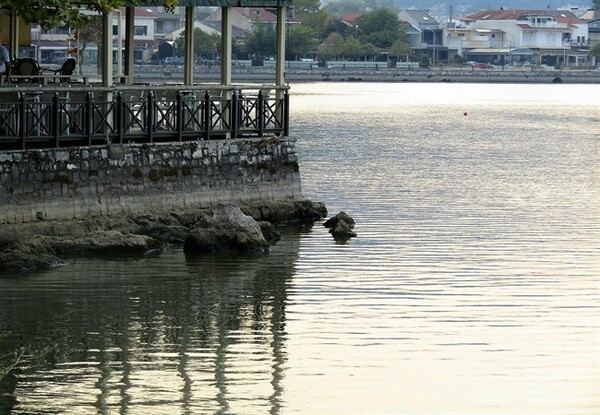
61,156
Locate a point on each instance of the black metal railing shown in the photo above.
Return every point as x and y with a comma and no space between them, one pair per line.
63,116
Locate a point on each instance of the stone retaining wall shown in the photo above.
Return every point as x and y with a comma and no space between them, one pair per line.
69,183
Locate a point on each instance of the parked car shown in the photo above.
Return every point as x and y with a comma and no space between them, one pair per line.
479,65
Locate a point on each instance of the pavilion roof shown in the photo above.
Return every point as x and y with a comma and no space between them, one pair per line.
234,3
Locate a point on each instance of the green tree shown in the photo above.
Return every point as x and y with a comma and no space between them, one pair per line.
317,21
380,27
90,33
400,48
596,4
300,40
335,25
332,46
341,7
205,44
310,14
595,52
262,41
306,7
353,48
381,4
51,13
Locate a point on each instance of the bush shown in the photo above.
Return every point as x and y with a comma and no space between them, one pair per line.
424,62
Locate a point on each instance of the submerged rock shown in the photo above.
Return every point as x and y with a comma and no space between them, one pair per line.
33,253
42,251
227,230
342,230
333,221
106,241
269,231
341,226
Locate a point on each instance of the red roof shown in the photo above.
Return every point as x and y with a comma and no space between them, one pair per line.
350,17
561,16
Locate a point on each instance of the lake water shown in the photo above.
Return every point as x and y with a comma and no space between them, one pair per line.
472,287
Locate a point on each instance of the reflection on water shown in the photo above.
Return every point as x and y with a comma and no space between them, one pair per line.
196,334
472,286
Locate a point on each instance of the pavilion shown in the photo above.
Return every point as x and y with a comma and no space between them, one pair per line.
43,110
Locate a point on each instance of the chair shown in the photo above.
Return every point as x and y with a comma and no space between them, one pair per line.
67,69
26,67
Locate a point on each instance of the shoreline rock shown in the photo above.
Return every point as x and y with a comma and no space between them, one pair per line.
226,230
247,228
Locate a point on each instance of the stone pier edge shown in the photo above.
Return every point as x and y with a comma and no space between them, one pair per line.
133,179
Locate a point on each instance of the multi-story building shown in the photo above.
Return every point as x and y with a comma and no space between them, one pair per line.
547,37
424,33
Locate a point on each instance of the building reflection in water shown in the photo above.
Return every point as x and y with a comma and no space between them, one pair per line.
154,335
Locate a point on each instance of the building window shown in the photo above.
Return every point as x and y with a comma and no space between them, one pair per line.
115,30
141,30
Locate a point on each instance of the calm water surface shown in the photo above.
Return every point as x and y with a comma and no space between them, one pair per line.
472,287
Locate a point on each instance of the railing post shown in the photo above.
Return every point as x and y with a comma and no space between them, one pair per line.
120,117
150,116
22,120
261,114
179,115
234,114
286,113
207,115
89,117
55,120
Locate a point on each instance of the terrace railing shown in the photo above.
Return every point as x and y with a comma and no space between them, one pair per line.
78,116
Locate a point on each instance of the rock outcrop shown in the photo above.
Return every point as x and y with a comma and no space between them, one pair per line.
226,230
250,228
303,212
341,226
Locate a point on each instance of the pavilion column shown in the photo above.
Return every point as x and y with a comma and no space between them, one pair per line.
107,46
129,43
280,59
188,63
14,35
107,63
226,45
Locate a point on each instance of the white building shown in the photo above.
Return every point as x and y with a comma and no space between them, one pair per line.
552,36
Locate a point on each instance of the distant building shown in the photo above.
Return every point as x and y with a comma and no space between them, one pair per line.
425,36
547,37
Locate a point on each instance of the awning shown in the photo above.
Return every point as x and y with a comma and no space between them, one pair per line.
490,51
522,52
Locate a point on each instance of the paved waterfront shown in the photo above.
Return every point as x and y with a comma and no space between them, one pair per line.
443,74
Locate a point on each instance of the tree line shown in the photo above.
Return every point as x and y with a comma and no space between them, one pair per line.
318,32
315,31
